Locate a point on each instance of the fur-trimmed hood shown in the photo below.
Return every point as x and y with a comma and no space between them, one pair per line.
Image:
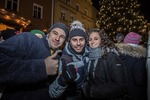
132,50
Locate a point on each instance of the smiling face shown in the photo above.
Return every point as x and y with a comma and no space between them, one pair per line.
94,40
77,43
56,38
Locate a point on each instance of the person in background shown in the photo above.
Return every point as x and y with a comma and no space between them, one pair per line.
38,33
1,38
148,67
119,38
5,34
134,58
27,64
74,55
106,78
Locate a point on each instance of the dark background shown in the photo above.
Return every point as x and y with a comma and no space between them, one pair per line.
145,7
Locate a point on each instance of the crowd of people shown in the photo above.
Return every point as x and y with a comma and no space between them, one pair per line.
90,66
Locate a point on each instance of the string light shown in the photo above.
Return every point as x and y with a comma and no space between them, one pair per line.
122,16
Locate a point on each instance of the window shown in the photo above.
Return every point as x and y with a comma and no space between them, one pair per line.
12,5
72,18
68,2
77,7
37,11
63,15
85,12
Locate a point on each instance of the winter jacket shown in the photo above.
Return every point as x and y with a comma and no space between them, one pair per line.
134,58
80,62
22,67
148,69
106,77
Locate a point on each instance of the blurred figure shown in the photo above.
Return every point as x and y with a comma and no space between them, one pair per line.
9,33
4,35
148,67
107,75
134,58
1,38
38,33
119,38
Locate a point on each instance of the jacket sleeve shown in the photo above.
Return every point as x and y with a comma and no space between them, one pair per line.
56,90
15,67
117,86
139,72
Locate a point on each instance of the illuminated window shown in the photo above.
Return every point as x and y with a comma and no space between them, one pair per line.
85,12
63,15
68,2
77,7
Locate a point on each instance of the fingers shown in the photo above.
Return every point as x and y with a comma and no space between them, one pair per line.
54,55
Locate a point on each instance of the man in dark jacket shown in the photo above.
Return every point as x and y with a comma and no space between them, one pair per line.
26,62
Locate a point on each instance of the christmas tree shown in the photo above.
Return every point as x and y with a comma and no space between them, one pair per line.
121,16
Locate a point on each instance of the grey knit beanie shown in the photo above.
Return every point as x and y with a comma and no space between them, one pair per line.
61,26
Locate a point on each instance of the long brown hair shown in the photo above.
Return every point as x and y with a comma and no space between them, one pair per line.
106,44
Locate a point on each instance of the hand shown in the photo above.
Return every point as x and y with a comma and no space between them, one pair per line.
51,64
68,74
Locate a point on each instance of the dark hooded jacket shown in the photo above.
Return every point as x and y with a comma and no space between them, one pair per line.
22,67
134,58
106,76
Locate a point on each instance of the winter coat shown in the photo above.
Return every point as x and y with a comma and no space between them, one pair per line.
134,58
80,62
106,77
148,69
22,67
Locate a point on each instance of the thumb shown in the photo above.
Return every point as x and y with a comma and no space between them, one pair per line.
54,55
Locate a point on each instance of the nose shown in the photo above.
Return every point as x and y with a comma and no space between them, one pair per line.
78,42
92,41
57,37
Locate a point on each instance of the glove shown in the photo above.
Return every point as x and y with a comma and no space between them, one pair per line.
68,74
86,89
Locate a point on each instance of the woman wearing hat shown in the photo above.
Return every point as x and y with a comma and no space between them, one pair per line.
134,58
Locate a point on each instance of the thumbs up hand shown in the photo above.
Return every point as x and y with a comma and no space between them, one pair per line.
51,64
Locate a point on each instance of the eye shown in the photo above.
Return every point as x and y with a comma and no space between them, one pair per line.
96,38
90,39
62,36
82,39
54,32
74,40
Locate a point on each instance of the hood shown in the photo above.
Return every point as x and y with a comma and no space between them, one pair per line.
131,50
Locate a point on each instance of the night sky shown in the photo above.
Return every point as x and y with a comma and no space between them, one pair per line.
145,6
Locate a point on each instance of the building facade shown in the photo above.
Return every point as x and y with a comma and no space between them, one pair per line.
68,10
41,14
25,15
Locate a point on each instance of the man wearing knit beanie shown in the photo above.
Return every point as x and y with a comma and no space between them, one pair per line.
75,58
27,63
